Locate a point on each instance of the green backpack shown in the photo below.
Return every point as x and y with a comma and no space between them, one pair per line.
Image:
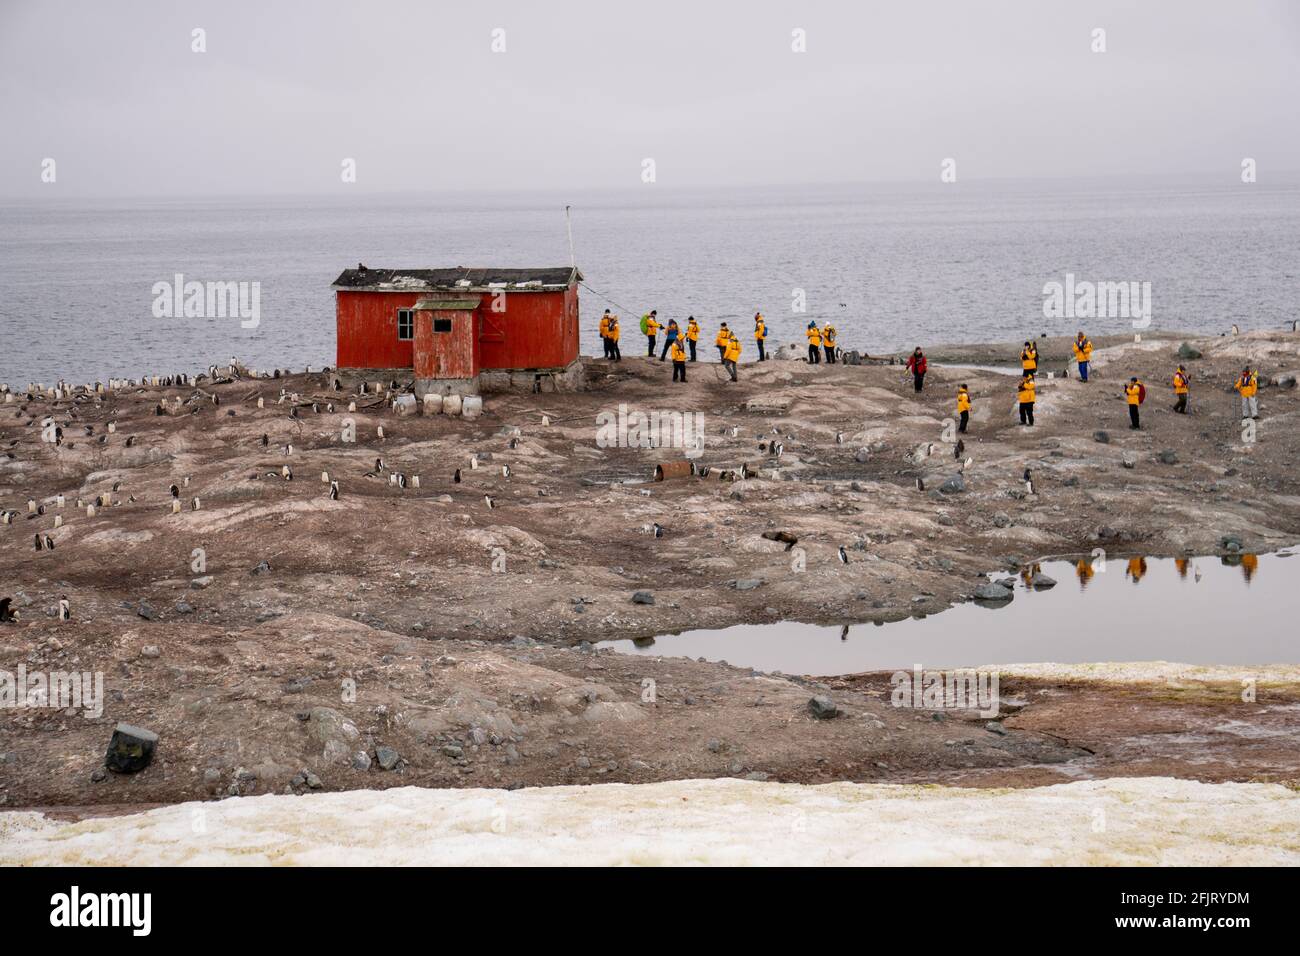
645,324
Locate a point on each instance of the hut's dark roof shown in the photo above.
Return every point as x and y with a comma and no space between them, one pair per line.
460,278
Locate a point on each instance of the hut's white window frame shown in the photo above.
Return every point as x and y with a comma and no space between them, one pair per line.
405,325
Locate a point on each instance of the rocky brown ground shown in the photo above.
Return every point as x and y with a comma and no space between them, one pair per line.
472,675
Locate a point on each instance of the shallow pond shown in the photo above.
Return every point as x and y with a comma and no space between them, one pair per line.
1238,610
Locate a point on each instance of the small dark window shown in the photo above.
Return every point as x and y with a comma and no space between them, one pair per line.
442,325
405,325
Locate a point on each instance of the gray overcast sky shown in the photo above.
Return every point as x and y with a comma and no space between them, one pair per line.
586,90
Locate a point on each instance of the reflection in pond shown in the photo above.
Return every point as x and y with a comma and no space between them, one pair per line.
1187,609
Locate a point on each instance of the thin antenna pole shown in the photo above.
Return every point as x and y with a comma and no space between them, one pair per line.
568,225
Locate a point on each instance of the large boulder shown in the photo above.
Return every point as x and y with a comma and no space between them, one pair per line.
131,749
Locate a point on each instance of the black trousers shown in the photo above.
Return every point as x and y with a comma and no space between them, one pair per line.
691,343
830,353
614,353
1026,413
918,380
668,342
965,417
722,353
679,371
1133,417
651,353
1181,404
814,356
762,356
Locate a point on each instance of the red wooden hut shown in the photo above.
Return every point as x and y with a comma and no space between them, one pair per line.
460,330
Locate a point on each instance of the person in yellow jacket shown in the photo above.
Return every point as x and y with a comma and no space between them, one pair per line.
604,333
1137,569
1249,565
1025,395
1247,385
760,335
814,344
828,342
679,360
1133,394
612,332
1029,358
1084,569
731,354
963,406
1083,355
652,328
692,334
1182,385
724,336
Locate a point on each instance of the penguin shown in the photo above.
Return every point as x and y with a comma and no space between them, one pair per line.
286,473
117,485
380,431
130,440
844,555
967,463
40,546
379,464
839,438
266,439
65,608
490,501
194,504
505,471
7,616
401,480
658,529
49,543
334,491
456,477
958,449
514,443
920,485
176,491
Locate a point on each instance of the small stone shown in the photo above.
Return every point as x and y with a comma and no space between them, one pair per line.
361,760
643,597
993,593
822,707
746,584
262,568
1167,457
1101,436
146,611
184,607
99,775
1185,351
453,750
1001,519
387,757
953,485
583,763
1043,582
199,583
150,650
994,727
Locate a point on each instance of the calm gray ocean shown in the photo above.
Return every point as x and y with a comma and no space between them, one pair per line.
892,265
